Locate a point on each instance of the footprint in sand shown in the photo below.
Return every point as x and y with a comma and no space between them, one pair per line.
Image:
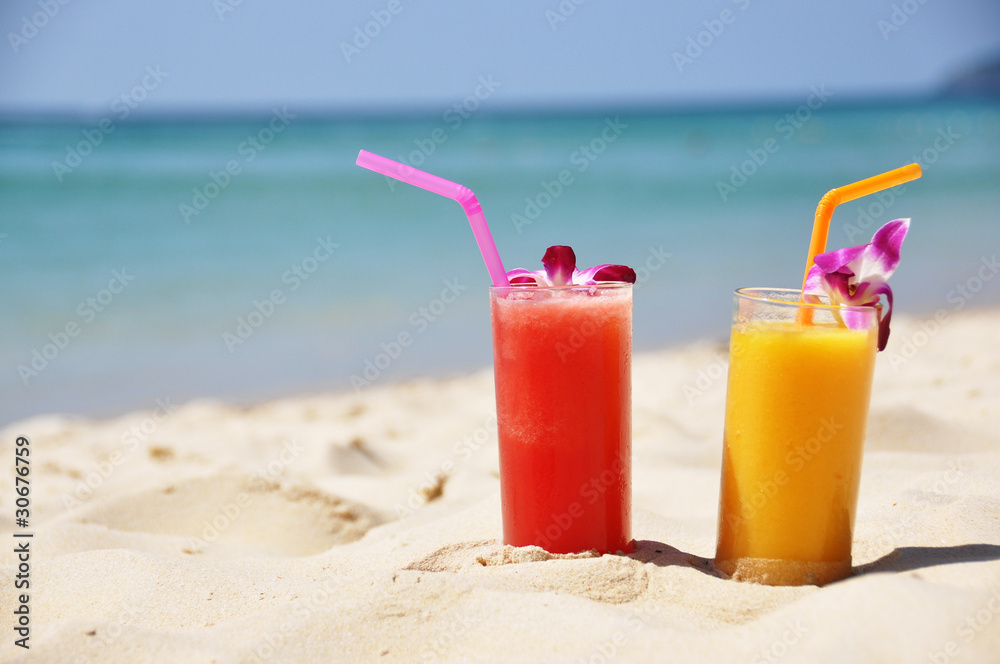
356,458
236,515
609,579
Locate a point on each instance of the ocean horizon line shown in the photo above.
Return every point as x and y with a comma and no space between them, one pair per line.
513,112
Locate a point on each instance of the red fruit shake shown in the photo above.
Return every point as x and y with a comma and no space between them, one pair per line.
563,366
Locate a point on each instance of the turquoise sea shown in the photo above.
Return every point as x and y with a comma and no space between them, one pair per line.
251,258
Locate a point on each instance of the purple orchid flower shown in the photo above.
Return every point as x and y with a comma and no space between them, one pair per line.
560,270
858,276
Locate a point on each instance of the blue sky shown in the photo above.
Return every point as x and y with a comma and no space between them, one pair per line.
220,55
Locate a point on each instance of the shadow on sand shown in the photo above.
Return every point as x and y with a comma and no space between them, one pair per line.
664,555
908,558
902,559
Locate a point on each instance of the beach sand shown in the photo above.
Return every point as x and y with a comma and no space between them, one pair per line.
344,527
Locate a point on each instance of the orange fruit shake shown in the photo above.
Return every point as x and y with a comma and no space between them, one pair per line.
796,412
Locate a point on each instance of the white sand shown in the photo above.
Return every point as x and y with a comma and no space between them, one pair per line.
325,546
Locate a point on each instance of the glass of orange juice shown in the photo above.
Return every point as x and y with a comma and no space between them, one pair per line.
796,411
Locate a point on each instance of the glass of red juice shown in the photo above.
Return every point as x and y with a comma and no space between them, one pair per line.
562,359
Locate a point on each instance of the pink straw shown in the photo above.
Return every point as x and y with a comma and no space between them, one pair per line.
448,189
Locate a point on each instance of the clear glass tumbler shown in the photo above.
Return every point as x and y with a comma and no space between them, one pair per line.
797,400
563,372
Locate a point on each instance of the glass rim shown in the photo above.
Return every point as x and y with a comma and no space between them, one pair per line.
603,285
798,303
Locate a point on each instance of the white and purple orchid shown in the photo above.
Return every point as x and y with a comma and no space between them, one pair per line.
560,270
858,276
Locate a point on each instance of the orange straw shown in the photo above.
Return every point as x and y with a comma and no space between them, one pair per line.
834,197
